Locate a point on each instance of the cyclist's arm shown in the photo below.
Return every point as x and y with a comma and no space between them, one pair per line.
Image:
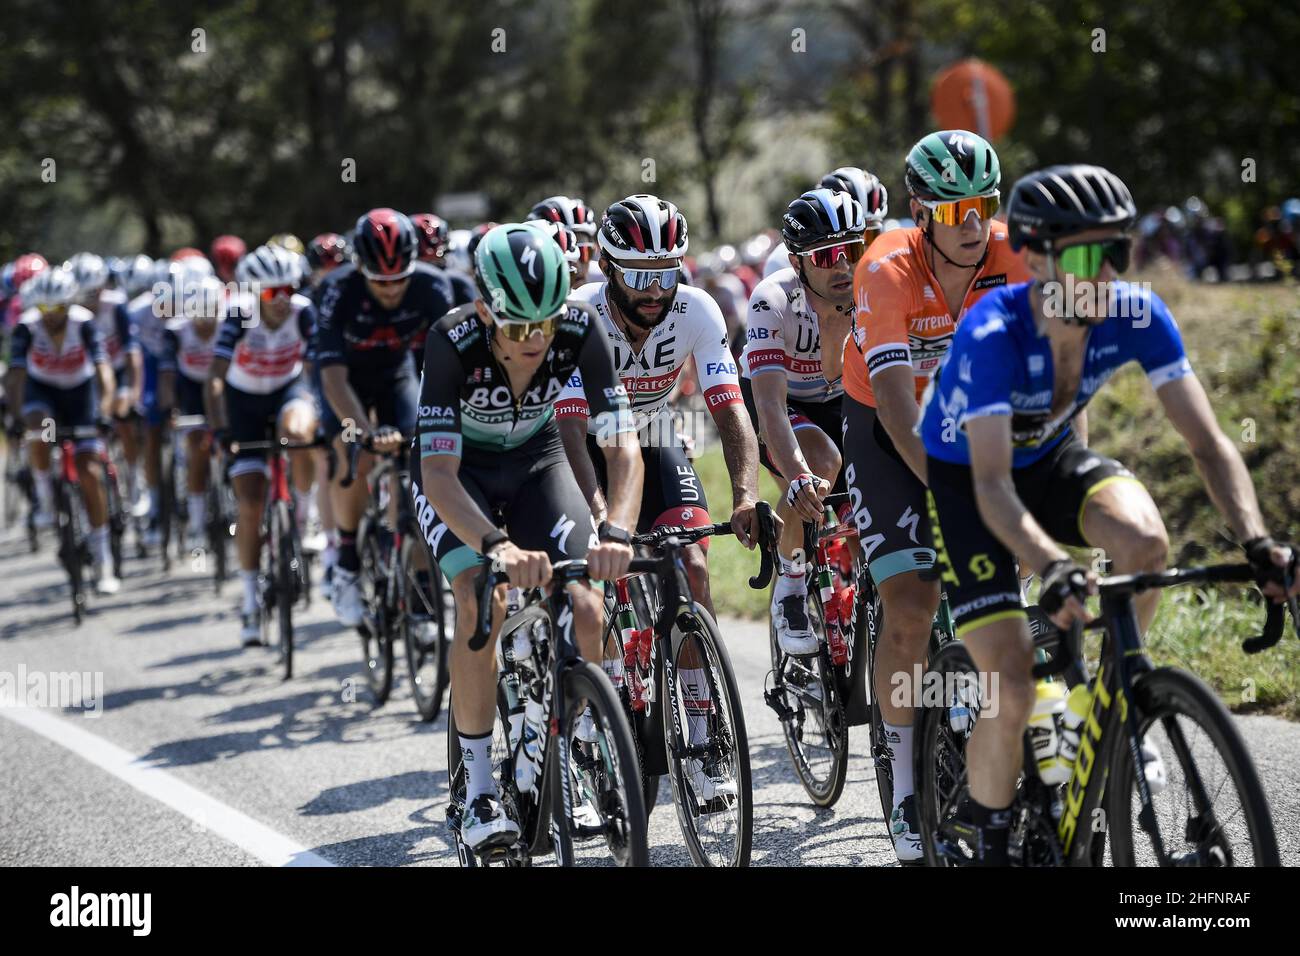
1080,425
573,432
16,376
616,434
716,371
1226,477
344,401
999,505
214,392
167,370
770,393
895,390
94,345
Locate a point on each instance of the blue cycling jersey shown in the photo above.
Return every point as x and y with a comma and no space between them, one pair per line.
998,364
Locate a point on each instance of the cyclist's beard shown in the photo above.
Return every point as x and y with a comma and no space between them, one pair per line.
623,302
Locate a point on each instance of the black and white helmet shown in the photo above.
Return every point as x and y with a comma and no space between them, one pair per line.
1060,201
50,287
572,212
865,188
270,266
89,271
564,237
642,227
822,217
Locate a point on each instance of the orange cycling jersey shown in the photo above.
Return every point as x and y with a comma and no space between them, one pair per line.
900,315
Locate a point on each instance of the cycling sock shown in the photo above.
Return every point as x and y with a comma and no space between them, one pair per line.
348,558
476,755
44,490
994,825
198,505
250,590
302,501
900,749
100,547
789,581
695,688
330,556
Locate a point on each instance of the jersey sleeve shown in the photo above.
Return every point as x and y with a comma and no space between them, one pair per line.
572,400
19,343
94,343
228,336
307,329
438,424
984,344
880,317
127,332
713,360
1156,342
171,346
329,348
598,383
764,336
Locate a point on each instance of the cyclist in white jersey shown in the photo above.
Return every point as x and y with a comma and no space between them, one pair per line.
863,186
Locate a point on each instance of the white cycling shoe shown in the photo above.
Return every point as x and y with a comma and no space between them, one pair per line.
708,786
1154,766
250,629
484,822
905,832
345,595
794,631
106,582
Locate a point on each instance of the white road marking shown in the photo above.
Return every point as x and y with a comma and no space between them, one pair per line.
256,838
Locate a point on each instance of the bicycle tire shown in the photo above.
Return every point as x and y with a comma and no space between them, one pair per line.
428,690
625,834
217,525
1168,693
884,772
285,583
116,520
723,690
374,629
940,751
70,548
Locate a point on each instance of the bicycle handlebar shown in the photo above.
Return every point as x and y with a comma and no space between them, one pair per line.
355,449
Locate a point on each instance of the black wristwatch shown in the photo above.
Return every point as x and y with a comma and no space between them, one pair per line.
612,532
493,538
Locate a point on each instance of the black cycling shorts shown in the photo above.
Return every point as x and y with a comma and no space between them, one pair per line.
980,576
189,396
252,418
529,489
888,499
71,408
392,395
672,493
823,416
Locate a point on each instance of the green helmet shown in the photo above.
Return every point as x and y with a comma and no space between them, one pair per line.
521,273
951,164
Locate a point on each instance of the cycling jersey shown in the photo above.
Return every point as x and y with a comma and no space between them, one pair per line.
783,335
901,317
147,323
356,331
1000,365
187,352
115,329
462,293
466,397
65,365
777,259
262,359
693,326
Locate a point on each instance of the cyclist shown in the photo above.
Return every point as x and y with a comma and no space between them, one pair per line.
58,365
1010,476
226,253
25,267
326,253
910,291
488,444
431,231
579,217
128,369
368,315
862,186
256,387
189,343
797,322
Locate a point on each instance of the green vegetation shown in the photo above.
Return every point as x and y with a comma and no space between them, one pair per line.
1244,342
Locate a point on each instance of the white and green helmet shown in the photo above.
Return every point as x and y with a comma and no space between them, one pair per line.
952,164
521,273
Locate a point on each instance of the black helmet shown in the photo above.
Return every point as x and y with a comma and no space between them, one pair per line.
820,217
384,244
1060,201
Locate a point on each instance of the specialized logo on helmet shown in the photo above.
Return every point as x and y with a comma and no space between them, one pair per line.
529,258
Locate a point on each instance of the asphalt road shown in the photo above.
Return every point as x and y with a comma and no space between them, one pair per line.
200,755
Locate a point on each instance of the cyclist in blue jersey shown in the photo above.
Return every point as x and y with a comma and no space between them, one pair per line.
1008,476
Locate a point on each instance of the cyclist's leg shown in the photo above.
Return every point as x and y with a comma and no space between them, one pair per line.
248,414
348,505
38,415
980,576
673,495
296,421
153,435
189,400
324,501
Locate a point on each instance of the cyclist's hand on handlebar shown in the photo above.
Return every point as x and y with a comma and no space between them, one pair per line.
386,439
806,494
1065,586
744,522
1275,566
608,560
525,569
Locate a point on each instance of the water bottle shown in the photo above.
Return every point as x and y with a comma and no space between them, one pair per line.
1048,709
529,761
1077,706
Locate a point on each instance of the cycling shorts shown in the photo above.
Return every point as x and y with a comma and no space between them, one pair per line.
189,396
888,499
253,416
69,407
530,490
979,574
153,415
672,493
826,417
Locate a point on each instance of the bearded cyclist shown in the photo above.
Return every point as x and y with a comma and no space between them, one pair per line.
910,292
1010,476
489,447
798,320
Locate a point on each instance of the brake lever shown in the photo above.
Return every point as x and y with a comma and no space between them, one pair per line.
489,577
766,542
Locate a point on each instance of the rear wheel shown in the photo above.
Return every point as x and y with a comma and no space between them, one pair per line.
374,544
287,563
943,728
1212,810
70,549
426,649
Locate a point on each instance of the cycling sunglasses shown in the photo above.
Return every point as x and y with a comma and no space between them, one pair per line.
827,256
517,331
640,279
1084,260
955,213
271,292
48,309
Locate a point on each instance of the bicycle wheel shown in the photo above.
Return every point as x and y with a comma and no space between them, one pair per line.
286,584
376,635
943,728
116,519
808,701
596,785
516,856
871,618
70,555
217,527
711,782
1212,810
425,659
166,496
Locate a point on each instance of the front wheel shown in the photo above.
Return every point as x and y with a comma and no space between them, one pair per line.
594,772
1210,808
375,628
943,728
426,648
287,564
